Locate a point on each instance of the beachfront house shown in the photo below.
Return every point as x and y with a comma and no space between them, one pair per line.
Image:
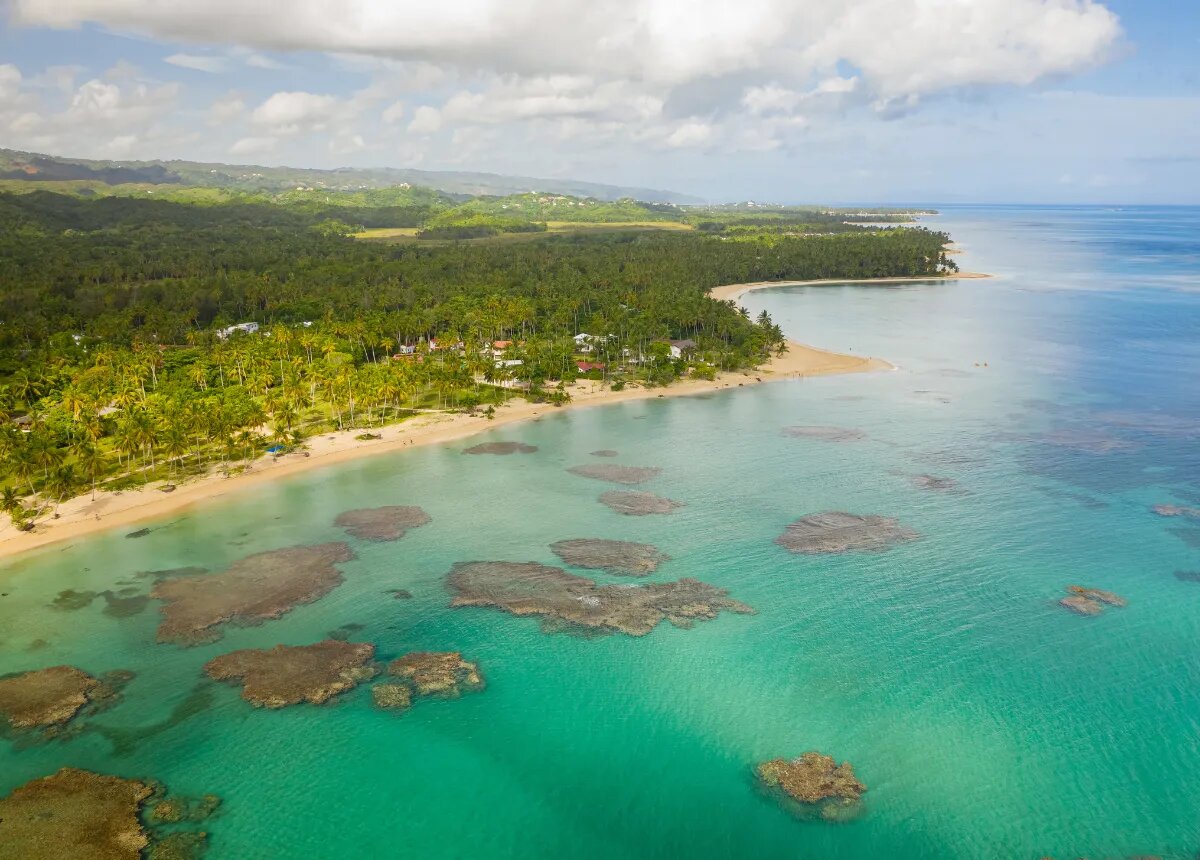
680,348
588,366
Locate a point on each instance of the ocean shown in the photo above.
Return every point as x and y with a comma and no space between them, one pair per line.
1058,403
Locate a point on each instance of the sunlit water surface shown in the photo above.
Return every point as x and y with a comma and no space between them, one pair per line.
986,721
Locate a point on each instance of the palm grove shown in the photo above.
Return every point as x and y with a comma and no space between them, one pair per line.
116,367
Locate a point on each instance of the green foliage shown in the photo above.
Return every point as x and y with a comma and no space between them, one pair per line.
114,370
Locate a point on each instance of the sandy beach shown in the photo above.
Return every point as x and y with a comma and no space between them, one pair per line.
82,515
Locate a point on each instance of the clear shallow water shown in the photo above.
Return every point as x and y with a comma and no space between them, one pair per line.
986,721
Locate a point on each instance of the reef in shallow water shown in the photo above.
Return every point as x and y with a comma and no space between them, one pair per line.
124,603
254,589
816,783
48,699
501,448
1176,511
528,588
622,558
81,815
390,522
437,673
837,531
604,452
825,434
291,674
1090,601
637,504
616,474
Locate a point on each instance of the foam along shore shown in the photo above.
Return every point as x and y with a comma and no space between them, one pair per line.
82,516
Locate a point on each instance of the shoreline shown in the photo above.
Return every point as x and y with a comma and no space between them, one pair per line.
82,516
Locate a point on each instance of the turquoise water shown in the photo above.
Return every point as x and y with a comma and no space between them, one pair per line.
985,720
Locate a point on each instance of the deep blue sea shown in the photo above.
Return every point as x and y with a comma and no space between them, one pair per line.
1062,398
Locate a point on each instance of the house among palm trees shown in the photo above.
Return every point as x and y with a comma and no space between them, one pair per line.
245,328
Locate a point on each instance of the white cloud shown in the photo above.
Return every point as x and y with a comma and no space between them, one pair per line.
901,47
393,113
10,81
258,61
347,144
691,133
197,62
288,113
253,146
426,120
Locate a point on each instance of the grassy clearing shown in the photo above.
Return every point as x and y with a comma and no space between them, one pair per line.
409,234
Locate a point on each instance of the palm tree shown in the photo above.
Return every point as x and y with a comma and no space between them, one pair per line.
90,459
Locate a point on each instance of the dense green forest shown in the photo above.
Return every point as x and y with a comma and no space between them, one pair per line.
118,364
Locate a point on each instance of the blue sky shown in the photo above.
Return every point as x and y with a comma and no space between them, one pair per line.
821,100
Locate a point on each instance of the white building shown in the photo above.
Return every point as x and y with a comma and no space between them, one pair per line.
246,327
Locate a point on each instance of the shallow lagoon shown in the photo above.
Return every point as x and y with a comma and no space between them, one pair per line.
984,719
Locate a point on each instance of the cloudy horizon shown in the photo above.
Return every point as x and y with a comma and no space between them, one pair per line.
865,100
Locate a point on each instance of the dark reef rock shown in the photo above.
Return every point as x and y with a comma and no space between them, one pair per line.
815,781
528,588
932,482
1087,440
138,534
46,697
1188,575
837,531
826,434
391,696
502,448
1090,601
80,815
119,604
604,452
1176,511
637,504
390,522
437,673
75,814
401,593
616,474
618,557
291,674
51,698
254,589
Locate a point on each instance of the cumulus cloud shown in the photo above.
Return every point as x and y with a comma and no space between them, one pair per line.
288,113
393,113
107,115
900,46
426,120
253,146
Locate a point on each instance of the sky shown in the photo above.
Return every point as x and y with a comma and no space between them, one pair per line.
1023,101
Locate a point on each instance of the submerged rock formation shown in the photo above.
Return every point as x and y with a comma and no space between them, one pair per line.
616,474
815,781
1090,601
254,589
1188,575
1176,511
604,452
124,603
81,815
618,557
637,504
528,588
291,674
437,673
826,434
837,531
390,522
51,698
502,448
932,482
391,696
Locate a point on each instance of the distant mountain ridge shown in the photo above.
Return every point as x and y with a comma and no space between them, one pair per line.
37,167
